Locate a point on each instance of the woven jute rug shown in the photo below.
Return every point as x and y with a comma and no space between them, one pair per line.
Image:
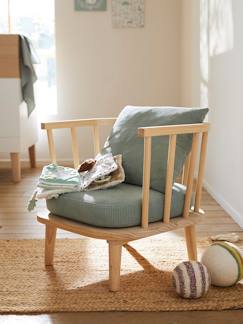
79,279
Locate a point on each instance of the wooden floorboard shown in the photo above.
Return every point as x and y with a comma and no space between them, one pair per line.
18,223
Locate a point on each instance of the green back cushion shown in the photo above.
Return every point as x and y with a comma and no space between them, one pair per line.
124,140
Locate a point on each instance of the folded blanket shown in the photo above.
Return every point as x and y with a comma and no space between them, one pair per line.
56,176
113,179
56,180
105,164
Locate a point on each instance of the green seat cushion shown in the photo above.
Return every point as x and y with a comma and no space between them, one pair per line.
124,140
117,207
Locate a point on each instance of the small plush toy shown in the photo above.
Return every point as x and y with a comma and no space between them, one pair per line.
224,262
86,165
191,279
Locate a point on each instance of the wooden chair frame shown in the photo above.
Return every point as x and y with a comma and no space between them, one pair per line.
118,237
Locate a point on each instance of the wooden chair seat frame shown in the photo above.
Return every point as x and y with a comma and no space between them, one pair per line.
118,237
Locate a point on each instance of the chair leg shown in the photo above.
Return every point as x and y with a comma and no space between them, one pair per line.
114,265
50,244
191,242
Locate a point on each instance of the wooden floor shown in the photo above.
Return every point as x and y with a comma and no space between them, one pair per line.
17,223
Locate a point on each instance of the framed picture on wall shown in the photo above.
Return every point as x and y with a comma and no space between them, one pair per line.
90,5
127,13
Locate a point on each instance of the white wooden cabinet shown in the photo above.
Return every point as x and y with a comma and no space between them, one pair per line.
18,132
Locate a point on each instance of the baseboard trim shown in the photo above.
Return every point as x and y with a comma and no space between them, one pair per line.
224,204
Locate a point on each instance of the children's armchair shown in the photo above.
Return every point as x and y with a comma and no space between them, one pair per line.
151,207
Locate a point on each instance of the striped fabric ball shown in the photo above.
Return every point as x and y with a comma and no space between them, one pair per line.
224,262
191,279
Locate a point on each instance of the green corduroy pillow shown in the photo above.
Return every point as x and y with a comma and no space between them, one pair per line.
124,140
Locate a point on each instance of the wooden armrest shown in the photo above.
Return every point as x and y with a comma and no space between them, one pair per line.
173,129
78,123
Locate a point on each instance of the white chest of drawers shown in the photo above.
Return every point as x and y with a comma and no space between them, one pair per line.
18,132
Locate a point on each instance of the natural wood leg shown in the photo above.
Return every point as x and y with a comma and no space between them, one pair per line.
191,242
32,156
16,168
50,244
114,265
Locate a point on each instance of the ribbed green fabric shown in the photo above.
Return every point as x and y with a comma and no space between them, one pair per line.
115,207
124,140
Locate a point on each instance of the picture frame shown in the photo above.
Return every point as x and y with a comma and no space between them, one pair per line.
90,5
128,13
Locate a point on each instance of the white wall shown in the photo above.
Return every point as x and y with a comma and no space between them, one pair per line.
190,53
224,173
101,69
220,67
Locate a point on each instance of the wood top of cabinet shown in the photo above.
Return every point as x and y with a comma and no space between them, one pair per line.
9,56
